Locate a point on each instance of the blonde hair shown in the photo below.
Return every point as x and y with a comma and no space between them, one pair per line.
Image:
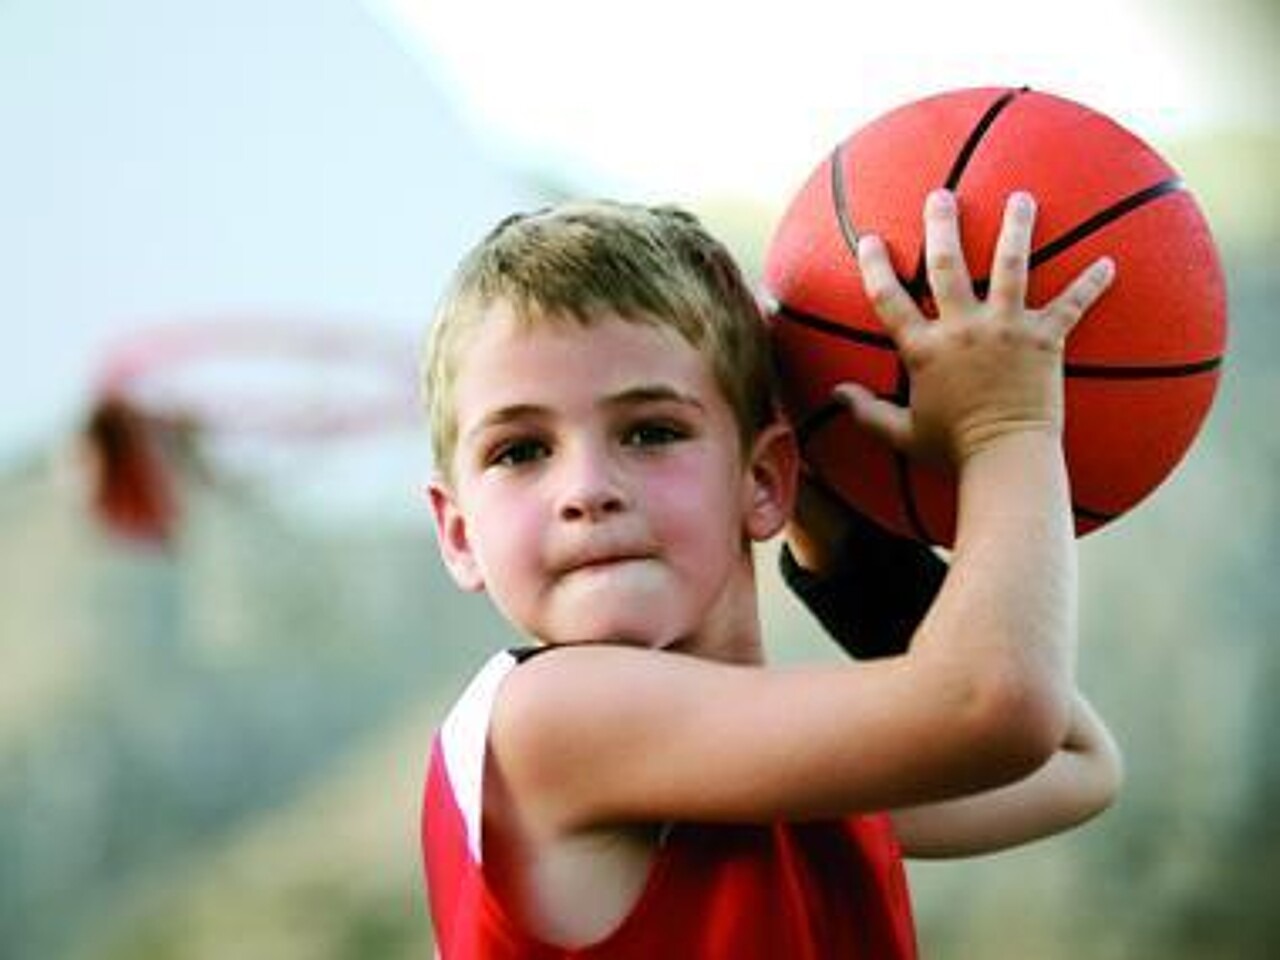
579,261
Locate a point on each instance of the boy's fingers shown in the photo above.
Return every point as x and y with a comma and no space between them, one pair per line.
1008,290
1069,306
892,303
944,256
887,421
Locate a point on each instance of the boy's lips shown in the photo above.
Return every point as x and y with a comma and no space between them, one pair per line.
600,558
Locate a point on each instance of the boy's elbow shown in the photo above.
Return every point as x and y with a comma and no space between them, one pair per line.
1111,783
1095,756
1022,721
1108,773
1097,780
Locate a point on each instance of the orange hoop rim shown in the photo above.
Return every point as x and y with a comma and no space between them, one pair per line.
148,366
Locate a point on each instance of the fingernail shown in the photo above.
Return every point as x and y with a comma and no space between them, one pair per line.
943,199
1023,202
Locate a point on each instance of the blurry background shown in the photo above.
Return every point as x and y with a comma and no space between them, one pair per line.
219,677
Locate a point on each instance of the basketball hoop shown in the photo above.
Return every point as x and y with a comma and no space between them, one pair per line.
260,396
286,380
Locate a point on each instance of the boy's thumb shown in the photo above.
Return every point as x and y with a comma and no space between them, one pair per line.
887,421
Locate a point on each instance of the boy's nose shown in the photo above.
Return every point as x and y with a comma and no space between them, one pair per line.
593,506
591,490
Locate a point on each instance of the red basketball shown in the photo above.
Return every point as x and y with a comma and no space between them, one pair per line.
1141,367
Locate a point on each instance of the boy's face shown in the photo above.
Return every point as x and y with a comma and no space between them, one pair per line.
599,490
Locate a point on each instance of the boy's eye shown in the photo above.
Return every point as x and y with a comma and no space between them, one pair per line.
654,435
517,452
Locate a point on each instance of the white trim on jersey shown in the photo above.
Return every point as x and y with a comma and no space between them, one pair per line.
464,737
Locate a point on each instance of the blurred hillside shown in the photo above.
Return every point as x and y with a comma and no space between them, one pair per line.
160,704
215,751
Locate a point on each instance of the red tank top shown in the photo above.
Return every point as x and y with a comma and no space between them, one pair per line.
820,890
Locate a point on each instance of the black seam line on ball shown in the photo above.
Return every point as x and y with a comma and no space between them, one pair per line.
979,131
1097,516
840,200
816,421
1080,371
829,411
880,341
1150,371
918,285
828,414
1120,208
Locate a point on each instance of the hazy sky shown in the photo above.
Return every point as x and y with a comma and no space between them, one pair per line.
166,160
681,98
169,161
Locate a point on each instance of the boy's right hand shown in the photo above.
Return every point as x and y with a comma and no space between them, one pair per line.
984,369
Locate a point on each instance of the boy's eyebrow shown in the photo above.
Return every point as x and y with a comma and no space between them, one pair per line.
629,397
651,393
508,414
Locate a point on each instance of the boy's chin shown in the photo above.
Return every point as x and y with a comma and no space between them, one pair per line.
623,635
631,631
594,610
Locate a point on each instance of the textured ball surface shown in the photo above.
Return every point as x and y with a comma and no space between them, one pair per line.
1142,366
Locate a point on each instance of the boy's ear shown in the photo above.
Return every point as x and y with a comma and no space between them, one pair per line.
772,480
452,538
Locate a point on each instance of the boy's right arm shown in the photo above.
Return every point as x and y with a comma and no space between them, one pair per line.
603,735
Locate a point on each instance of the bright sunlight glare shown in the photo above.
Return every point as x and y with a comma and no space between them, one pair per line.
681,100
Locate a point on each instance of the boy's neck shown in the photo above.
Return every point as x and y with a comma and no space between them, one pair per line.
731,632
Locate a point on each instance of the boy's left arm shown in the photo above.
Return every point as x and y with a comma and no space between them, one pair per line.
870,589
1077,783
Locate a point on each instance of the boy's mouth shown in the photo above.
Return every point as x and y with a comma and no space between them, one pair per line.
603,562
590,560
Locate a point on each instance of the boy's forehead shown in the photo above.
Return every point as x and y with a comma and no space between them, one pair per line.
506,314
515,360
509,333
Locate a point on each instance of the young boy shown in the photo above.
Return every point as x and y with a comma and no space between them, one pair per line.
608,448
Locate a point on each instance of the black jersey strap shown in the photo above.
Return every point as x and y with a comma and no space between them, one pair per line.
876,593
523,654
